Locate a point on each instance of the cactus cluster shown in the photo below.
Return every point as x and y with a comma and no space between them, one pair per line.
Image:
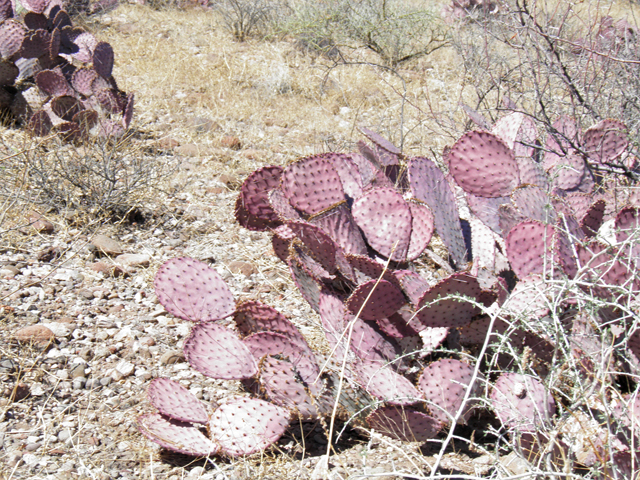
57,77
350,226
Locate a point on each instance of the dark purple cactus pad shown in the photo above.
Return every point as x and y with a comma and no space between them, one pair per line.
217,352
127,114
626,223
8,73
35,21
534,203
429,185
413,285
384,299
486,209
281,242
339,224
103,59
304,280
302,256
397,324
422,227
521,402
404,424
192,290
244,426
368,269
299,353
385,384
248,221
175,401
589,213
66,107
12,34
605,141
319,245
40,123
255,193
281,384
53,83
281,206
385,219
435,310
312,185
253,316
177,436
370,345
483,165
35,42
444,384
530,248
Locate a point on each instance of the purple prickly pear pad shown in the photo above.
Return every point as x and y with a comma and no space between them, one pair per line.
404,424
176,435
175,401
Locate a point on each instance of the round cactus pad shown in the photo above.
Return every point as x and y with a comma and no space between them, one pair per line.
339,224
300,355
255,192
12,34
530,247
444,384
253,316
177,436
375,299
413,285
217,352
103,59
385,219
348,172
281,384
175,401
192,290
606,141
521,402
385,384
312,185
53,83
245,426
436,310
533,203
320,245
626,223
404,424
483,165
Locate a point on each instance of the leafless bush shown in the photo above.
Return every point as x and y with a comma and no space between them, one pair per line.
554,59
97,178
244,18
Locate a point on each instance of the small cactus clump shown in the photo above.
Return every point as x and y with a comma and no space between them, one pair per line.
55,77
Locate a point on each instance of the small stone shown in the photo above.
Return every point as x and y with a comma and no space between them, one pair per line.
106,245
88,294
77,370
40,224
105,381
19,392
133,260
64,435
93,441
49,254
79,383
32,447
108,270
188,150
59,329
245,268
123,369
145,341
171,357
231,141
167,143
8,365
35,334
9,271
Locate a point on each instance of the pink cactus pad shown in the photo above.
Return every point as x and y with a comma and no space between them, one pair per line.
385,219
253,316
338,223
255,192
280,382
35,6
177,436
422,228
507,128
312,185
384,298
429,185
348,172
483,165
12,34
627,223
567,171
380,141
368,344
192,290
319,245
521,402
404,424
305,281
533,202
385,384
436,310
444,384
300,355
606,141
413,285
281,206
529,297
530,247
245,426
175,401
217,352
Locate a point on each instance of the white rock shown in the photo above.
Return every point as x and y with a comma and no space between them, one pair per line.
58,329
123,369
